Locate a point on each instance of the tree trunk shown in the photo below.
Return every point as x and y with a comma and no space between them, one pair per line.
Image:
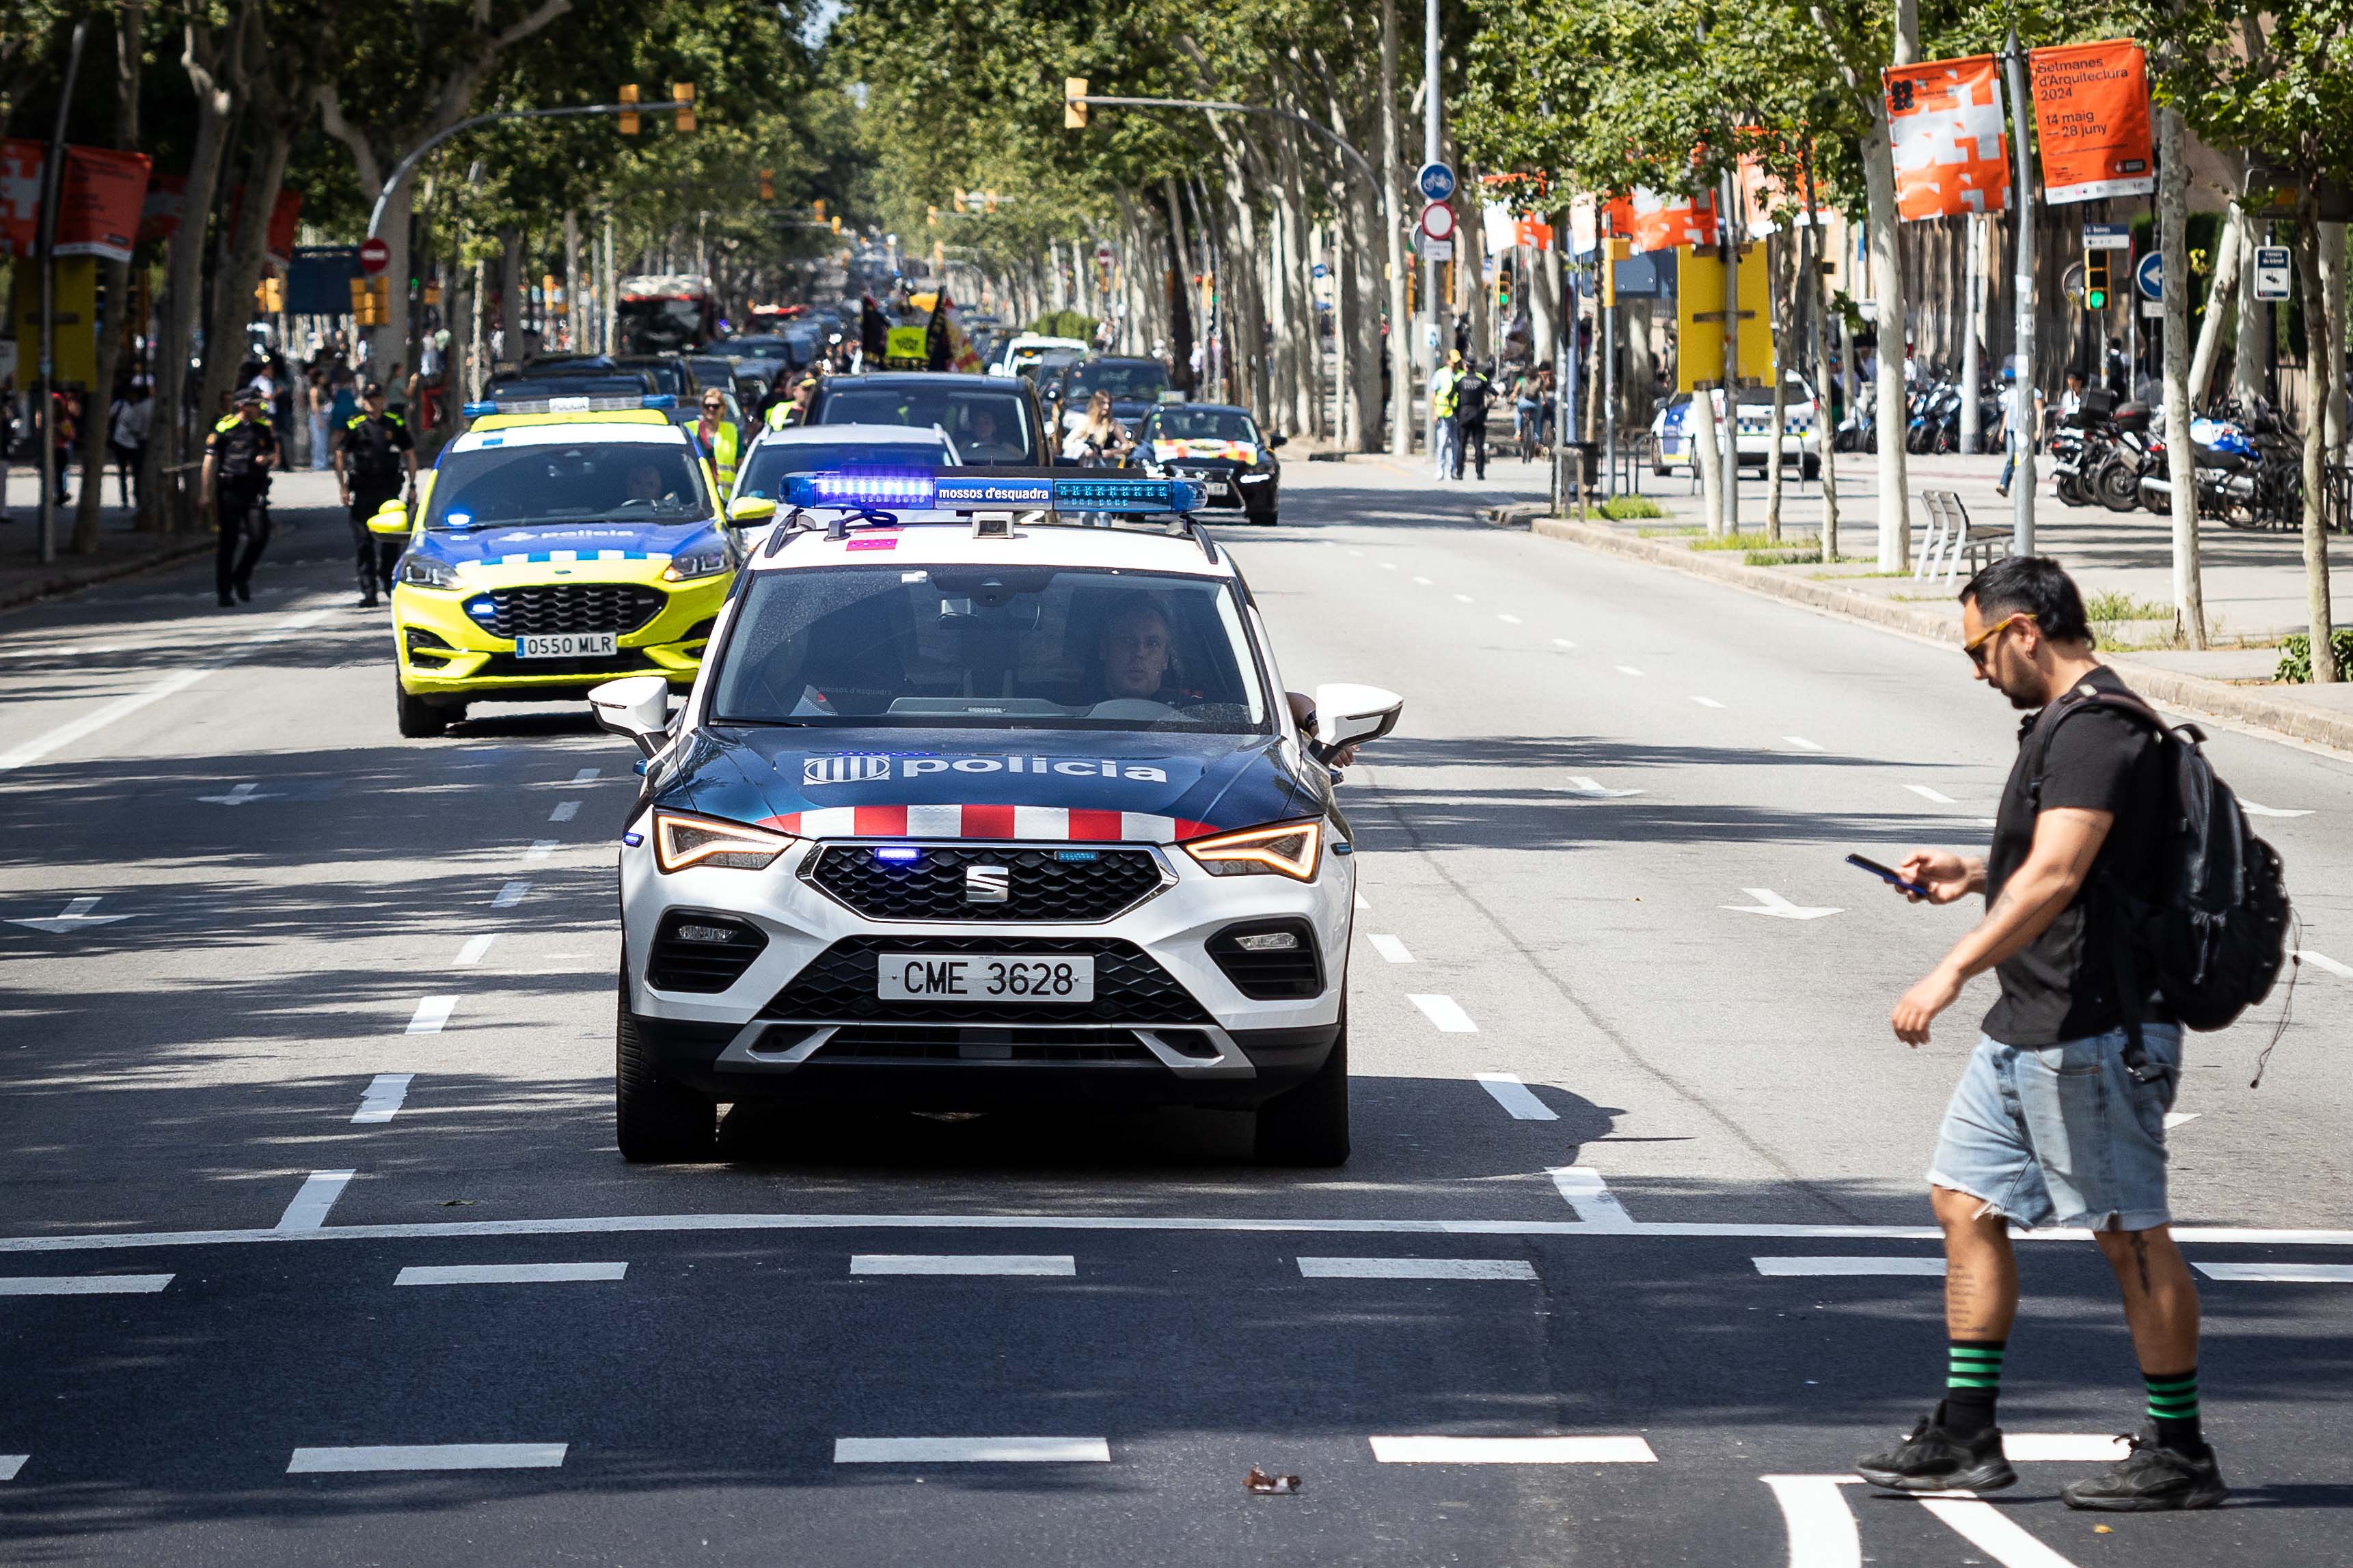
1887,287
2228,262
1776,263
1400,349
2251,362
1817,290
216,72
2332,412
2173,224
98,417
1707,456
240,271
2319,329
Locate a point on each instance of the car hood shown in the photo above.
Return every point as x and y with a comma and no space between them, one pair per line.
1153,786
563,542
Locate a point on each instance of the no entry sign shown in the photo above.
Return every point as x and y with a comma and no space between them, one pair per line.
374,255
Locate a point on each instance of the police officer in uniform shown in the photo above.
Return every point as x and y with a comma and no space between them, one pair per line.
375,456
238,456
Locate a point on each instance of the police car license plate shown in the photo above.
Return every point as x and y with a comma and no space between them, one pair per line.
568,644
982,977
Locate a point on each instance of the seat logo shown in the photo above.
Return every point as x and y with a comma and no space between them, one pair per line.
988,885
844,770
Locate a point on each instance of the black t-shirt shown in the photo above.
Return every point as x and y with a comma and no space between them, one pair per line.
373,445
240,445
1471,397
2062,986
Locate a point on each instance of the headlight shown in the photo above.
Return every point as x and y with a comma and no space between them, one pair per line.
1256,478
702,563
1287,847
425,571
684,841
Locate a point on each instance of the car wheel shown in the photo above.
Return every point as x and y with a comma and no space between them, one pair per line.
419,720
1309,1125
1811,468
655,1122
1268,518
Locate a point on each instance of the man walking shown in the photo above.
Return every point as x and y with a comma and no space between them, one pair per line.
1442,403
1473,394
2057,1120
238,456
374,455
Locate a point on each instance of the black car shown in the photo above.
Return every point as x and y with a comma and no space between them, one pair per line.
1219,446
989,418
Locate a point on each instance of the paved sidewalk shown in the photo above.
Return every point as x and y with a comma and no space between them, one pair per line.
298,501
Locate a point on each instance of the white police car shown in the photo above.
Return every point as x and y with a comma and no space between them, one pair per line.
971,808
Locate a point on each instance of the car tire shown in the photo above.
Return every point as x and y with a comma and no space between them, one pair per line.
655,1122
419,720
1268,518
1811,468
1309,1125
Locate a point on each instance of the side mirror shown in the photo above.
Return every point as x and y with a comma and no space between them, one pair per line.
1276,440
637,706
751,509
1345,714
391,519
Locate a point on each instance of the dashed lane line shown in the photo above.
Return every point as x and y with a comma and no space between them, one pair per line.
1425,1450
1423,582
1390,948
313,1200
427,1456
431,1014
1446,1012
1515,1097
84,1285
510,895
1707,701
1801,744
1027,1265
542,848
585,776
1924,793
1590,1196
564,811
2280,1273
382,1098
1416,1268
476,949
510,1273
1509,620
1627,669
1806,1267
1361,903
1464,599
972,1451
2321,961
1562,642
10,1464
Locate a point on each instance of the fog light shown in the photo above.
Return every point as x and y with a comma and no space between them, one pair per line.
1268,941
705,933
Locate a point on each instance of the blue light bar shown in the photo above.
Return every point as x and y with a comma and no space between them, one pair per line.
596,403
924,489
1126,494
900,853
908,489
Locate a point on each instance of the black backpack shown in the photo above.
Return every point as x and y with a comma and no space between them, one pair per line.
2212,942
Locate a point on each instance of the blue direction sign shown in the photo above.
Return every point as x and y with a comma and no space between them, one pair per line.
2150,273
1436,181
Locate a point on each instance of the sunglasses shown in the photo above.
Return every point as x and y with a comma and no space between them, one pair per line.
1976,648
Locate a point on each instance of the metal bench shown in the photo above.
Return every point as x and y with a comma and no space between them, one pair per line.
1950,536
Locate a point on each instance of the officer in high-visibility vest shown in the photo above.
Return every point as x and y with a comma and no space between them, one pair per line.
374,455
784,415
238,456
719,440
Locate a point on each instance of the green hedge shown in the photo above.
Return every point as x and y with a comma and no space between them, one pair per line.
1065,324
2295,655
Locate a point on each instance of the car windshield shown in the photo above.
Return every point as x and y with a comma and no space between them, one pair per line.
763,477
1203,424
500,487
528,384
988,426
1140,379
989,647
667,376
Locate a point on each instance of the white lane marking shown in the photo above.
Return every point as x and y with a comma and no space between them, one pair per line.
476,948
2280,1273
1584,784
2174,1119
1515,1097
1820,1520
1924,793
238,795
1802,743
1388,566
1416,1268
1446,1012
1358,553
1361,903
585,776
1596,1207
75,916
1423,581
2251,809
383,1097
564,811
2321,961
1046,1265
510,895
431,1013
84,1285
1627,669
971,1451
1796,1267
1707,701
308,1211
1993,1532
1562,642
2062,1447
1464,599
508,1273
1390,948
1511,620
10,1464
1512,1451
427,1456
1769,903
542,848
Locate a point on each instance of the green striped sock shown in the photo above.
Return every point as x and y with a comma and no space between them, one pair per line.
1972,1381
2173,1406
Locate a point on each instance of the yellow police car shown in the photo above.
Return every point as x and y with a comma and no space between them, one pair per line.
558,542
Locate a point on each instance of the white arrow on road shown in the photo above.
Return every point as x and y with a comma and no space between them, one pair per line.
1769,903
75,916
1580,785
2251,809
238,795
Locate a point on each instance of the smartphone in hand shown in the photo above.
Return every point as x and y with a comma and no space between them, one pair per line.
1892,878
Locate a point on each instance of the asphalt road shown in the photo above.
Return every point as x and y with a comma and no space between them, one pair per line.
1623,1069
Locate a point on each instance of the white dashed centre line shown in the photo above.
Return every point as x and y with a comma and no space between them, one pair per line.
1388,566
10,1464
85,1285
1509,620
2281,1273
1924,793
585,776
1515,1097
510,895
1512,1451
1462,599
1423,581
1590,1196
382,1098
431,1013
1808,1267
476,949
1708,702
427,1456
317,1195
1627,669
1416,1268
972,1451
510,1273
1446,1012
1390,948
564,811
1361,903
1046,1265
1801,744
542,848
1562,642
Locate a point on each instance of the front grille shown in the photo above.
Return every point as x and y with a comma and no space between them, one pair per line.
839,985
919,1042
677,964
621,607
1043,884
1289,973
628,661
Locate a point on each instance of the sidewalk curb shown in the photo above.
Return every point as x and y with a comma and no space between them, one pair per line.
65,580
2195,693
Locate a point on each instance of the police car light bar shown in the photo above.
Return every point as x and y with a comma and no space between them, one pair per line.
924,490
567,405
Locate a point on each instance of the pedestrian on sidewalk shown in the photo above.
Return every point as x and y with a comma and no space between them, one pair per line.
375,456
319,403
1444,459
2057,1120
126,437
2021,416
1473,394
238,456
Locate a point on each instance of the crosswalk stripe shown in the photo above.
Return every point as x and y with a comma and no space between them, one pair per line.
427,1456
1512,1451
972,1451
1416,1268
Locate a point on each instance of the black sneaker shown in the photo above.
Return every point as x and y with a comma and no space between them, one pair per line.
1933,1460
244,593
2150,1479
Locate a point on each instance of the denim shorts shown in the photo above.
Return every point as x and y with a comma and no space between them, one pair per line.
2063,1134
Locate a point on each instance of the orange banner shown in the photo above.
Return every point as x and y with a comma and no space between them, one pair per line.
1944,120
1658,221
2091,112
97,205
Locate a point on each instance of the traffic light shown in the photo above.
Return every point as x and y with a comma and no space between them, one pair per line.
2096,280
820,205
1075,113
370,301
767,185
1613,251
628,126
681,97
836,223
931,217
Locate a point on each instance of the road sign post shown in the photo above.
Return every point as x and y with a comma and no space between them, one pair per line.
2275,266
